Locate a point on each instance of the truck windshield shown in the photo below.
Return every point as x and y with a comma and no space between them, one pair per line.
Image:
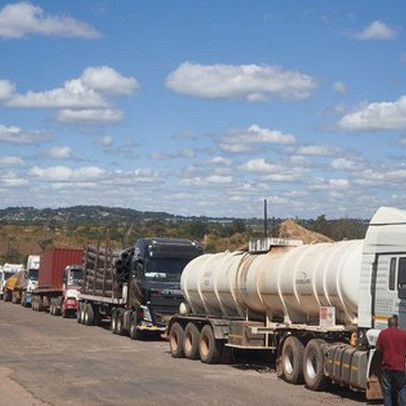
76,277
167,269
33,274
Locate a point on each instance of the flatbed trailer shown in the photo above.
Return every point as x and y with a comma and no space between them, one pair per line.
137,289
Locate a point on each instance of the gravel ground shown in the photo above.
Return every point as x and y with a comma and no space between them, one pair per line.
47,360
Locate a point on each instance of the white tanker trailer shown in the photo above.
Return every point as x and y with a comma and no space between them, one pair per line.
319,307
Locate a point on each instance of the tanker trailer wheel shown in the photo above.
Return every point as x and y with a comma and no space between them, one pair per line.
89,315
210,349
191,341
292,360
176,338
79,311
313,365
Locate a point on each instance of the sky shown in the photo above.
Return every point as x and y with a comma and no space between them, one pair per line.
204,107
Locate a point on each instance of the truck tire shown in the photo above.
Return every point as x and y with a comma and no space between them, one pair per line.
79,312
89,315
210,349
33,303
135,334
64,313
40,304
120,330
191,341
23,300
82,315
57,307
313,365
292,360
113,321
7,296
176,337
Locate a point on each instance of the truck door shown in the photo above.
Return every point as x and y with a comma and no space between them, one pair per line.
388,289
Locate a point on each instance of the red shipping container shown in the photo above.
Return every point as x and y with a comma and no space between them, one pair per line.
53,262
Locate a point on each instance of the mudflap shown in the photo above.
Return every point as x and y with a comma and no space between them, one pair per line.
373,390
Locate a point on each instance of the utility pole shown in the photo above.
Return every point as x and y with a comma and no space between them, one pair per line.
265,218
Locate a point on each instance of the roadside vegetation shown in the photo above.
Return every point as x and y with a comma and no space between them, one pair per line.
21,235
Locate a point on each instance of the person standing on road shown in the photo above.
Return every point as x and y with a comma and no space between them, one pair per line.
392,342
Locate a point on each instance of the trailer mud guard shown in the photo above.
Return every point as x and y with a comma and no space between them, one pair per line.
373,389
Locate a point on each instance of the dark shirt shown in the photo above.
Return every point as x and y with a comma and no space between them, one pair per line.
392,342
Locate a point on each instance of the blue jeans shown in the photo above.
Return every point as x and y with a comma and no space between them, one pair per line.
393,385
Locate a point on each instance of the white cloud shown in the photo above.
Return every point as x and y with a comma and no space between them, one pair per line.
6,90
60,152
339,87
84,99
90,116
338,184
145,175
220,161
255,137
260,165
186,153
217,179
11,161
21,19
106,141
344,164
330,185
106,80
64,173
12,180
16,135
287,176
250,82
316,150
377,30
299,161
377,116
73,95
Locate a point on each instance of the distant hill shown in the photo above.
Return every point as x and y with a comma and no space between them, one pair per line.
26,230
99,215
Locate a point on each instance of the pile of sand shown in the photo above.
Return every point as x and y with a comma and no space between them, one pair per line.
290,230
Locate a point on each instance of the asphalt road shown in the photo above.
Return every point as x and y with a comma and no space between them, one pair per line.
46,360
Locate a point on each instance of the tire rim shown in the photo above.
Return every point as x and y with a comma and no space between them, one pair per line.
188,342
311,365
204,345
174,342
288,361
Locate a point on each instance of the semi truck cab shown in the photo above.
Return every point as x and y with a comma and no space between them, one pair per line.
72,282
157,267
